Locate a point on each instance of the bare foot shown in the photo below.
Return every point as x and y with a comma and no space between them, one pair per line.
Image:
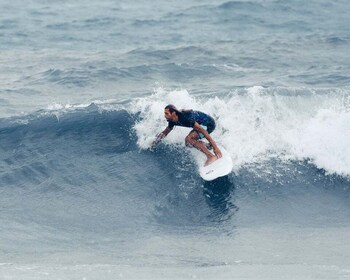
210,160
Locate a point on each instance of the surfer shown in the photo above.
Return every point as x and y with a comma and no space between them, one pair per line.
202,125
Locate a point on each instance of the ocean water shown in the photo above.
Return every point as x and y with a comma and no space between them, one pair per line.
82,91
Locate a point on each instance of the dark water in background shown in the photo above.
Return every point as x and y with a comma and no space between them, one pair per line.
82,90
71,52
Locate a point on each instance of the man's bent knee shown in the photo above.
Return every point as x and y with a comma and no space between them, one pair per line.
190,139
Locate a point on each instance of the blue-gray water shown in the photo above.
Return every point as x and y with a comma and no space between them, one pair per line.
82,89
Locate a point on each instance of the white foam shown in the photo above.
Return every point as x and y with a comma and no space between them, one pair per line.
256,123
325,140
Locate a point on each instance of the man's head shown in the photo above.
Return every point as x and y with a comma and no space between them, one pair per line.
171,113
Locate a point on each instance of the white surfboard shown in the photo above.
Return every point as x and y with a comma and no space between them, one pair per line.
221,167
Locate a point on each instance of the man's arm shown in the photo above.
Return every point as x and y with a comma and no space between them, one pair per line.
208,137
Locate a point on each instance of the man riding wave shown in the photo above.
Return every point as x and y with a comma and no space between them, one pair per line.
202,125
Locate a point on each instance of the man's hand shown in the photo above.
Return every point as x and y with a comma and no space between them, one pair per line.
217,152
159,138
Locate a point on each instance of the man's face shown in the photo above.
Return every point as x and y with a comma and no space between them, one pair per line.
170,116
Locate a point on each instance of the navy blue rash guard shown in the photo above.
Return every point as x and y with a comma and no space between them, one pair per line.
189,117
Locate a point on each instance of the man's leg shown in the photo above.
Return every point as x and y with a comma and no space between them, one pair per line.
192,139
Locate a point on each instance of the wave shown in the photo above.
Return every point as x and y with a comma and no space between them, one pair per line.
179,52
83,172
80,166
51,144
256,124
86,76
242,5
